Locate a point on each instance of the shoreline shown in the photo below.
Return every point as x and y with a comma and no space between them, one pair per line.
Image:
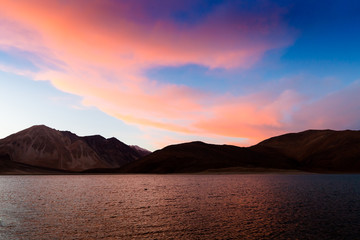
221,171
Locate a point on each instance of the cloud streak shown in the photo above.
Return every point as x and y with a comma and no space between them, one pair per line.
101,50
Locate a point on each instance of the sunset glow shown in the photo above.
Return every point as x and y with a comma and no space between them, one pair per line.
153,73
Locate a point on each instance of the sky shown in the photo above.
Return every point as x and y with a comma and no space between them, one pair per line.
155,72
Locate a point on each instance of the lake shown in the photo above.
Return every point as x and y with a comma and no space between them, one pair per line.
249,206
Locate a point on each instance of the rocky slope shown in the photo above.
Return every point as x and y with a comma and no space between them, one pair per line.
41,146
7,166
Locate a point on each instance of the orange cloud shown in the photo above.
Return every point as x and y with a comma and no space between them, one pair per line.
100,50
255,116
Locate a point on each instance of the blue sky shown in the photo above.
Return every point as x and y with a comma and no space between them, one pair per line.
153,73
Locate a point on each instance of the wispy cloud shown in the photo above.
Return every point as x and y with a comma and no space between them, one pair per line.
100,50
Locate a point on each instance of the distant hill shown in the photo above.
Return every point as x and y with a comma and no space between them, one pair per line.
199,156
312,150
317,150
44,147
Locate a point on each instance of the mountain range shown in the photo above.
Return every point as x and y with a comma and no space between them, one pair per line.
52,150
40,149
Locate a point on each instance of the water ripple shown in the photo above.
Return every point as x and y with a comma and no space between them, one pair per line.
180,207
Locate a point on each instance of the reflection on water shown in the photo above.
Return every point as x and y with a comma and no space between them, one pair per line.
180,207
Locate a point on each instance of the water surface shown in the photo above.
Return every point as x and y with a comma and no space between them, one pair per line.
260,206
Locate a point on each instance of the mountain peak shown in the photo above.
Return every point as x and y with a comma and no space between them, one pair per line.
38,127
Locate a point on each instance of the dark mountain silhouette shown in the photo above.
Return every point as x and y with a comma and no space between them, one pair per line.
40,149
7,166
317,150
143,151
199,156
47,148
312,150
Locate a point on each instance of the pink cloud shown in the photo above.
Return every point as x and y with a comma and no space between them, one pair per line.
94,32
100,50
337,110
254,116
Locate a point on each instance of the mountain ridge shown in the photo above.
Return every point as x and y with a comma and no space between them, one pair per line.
199,156
310,150
41,146
319,149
